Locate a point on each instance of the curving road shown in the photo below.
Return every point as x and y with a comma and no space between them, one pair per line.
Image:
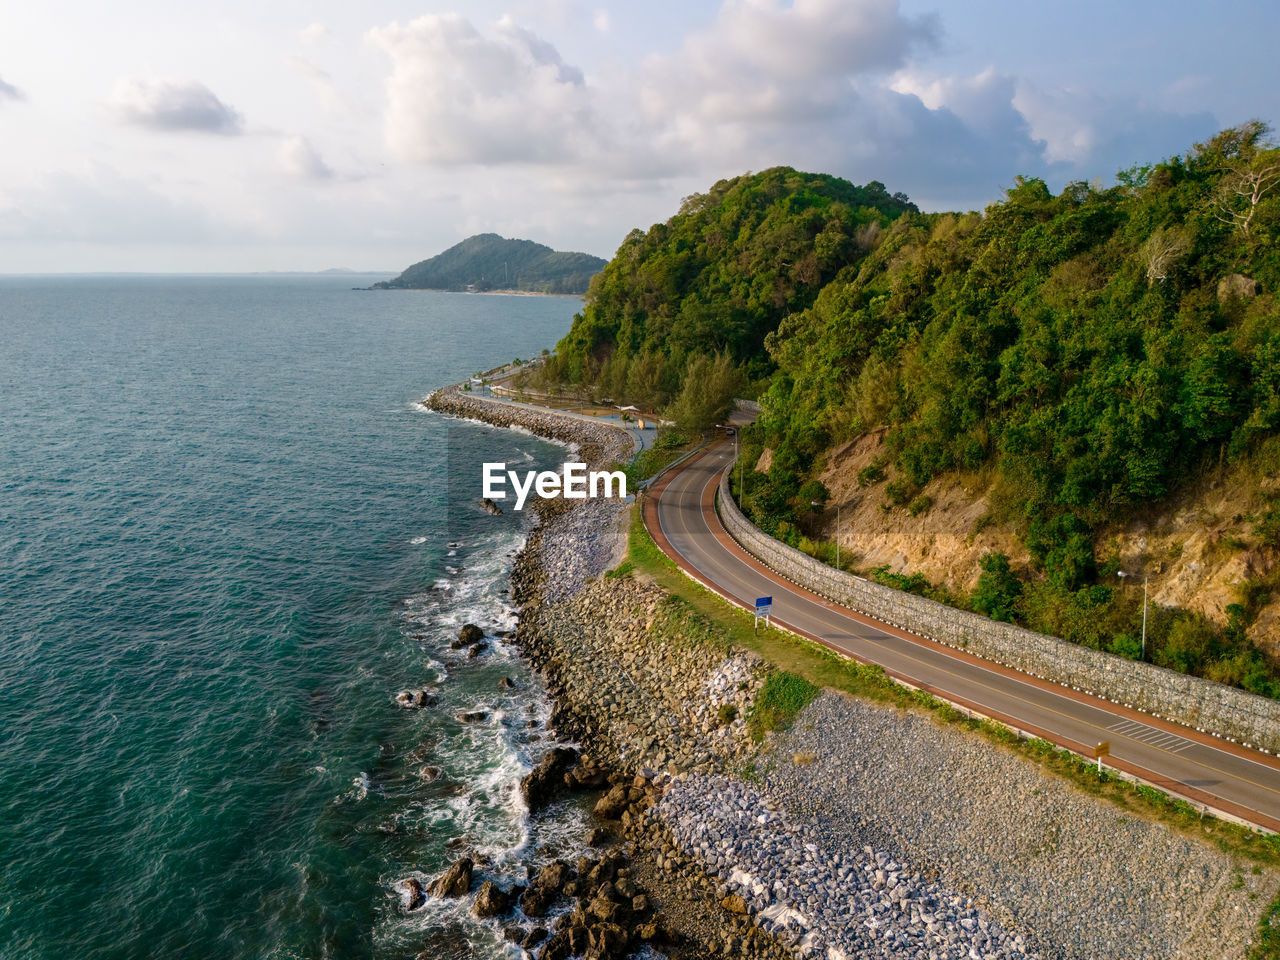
681,516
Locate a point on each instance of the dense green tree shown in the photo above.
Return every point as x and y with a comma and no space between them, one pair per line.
998,588
722,273
710,384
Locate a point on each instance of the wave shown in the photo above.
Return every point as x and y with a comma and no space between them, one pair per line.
472,804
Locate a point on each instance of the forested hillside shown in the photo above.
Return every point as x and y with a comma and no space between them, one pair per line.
698,294
490,262
1085,354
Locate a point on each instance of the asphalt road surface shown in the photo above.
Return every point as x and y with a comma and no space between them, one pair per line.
1225,776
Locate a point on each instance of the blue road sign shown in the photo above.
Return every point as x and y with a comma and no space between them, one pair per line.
762,605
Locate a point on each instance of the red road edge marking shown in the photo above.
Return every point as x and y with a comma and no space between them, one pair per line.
650,516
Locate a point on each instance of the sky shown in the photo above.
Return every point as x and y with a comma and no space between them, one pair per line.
148,136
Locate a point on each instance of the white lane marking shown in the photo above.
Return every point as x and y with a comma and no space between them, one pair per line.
1136,730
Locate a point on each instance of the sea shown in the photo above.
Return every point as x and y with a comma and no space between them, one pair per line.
227,540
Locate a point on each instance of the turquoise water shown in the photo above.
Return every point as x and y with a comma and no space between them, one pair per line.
222,552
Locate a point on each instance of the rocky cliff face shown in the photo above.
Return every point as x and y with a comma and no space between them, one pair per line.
1199,548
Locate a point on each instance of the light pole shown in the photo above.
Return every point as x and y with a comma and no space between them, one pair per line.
1122,575
815,503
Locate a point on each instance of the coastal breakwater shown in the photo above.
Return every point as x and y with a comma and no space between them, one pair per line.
863,831
1209,707
599,444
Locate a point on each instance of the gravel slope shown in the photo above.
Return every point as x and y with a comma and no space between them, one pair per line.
1075,875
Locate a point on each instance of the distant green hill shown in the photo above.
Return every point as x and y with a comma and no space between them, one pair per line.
490,262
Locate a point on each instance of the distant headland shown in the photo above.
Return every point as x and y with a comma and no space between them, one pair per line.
488,262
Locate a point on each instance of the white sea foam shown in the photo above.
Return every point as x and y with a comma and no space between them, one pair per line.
487,759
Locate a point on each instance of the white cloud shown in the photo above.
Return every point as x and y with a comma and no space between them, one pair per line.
299,159
1098,135
832,85
764,73
983,101
571,123
457,97
313,33
1062,120
173,106
9,92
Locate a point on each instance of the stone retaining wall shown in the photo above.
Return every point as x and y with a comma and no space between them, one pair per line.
1210,707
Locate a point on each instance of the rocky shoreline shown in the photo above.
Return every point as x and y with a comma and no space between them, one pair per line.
645,892
863,831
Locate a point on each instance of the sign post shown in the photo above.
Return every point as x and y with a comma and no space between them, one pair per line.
763,606
1102,750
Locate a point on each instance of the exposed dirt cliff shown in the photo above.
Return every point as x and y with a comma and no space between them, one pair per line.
1199,547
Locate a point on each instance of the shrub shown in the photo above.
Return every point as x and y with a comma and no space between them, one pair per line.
727,713
814,491
1267,529
998,588
1188,644
870,475
913,583
1063,545
899,491
920,505
1126,645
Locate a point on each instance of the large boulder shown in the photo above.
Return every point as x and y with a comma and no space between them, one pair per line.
540,786
415,698
587,776
536,901
557,948
469,634
490,901
653,932
607,941
411,894
570,941
534,937
455,881
579,939
606,870
605,910
611,805
554,876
